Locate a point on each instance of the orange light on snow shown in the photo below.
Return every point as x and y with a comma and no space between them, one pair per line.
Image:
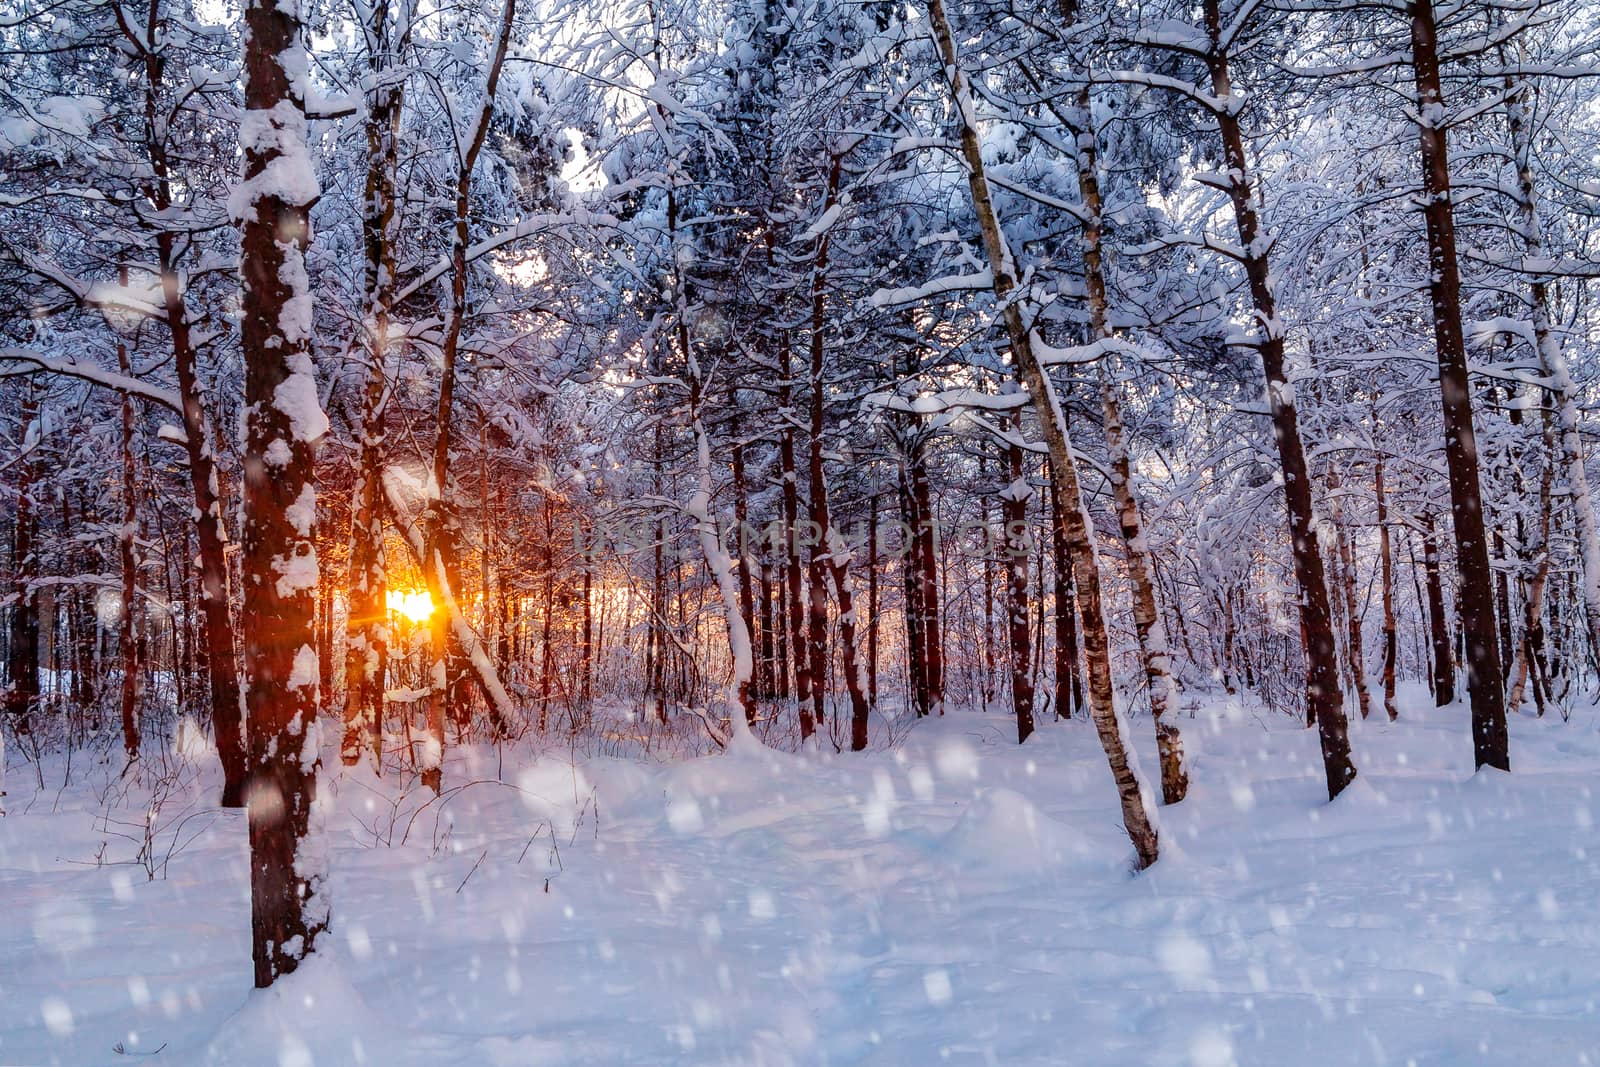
413,604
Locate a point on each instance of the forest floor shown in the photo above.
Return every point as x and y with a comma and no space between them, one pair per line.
955,900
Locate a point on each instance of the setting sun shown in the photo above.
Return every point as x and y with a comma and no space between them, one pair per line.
412,604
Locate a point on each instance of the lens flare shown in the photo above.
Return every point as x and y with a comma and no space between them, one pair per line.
413,604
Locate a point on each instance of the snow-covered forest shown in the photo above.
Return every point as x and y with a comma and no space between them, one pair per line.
739,531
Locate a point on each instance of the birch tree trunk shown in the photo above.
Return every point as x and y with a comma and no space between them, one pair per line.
283,422
1553,359
1533,605
1148,625
1071,515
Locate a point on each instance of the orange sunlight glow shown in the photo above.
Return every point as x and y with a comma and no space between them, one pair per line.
413,604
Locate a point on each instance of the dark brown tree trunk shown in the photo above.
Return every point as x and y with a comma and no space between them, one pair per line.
774,683
872,598
367,613
829,554
741,518
22,641
1485,679
1324,703
1017,541
910,574
441,539
1444,675
1502,596
283,422
799,649
926,570
988,665
1386,576
130,569
1069,682
222,672
1344,579
586,669
547,611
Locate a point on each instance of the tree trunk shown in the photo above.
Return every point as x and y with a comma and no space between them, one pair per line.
1069,682
799,647
872,597
586,668
1386,576
1485,680
22,640
227,716
1532,642
1444,675
1148,626
1324,704
1071,516
1502,593
283,422
441,522
828,550
741,518
130,572
926,575
1345,580
1553,359
1017,542
367,634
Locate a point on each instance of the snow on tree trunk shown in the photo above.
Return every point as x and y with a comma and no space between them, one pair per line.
1324,703
1533,603
367,621
283,421
1147,622
738,701
1553,359
441,523
830,555
1475,598
227,713
1137,809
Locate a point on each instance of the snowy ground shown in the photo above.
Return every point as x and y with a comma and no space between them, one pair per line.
959,900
